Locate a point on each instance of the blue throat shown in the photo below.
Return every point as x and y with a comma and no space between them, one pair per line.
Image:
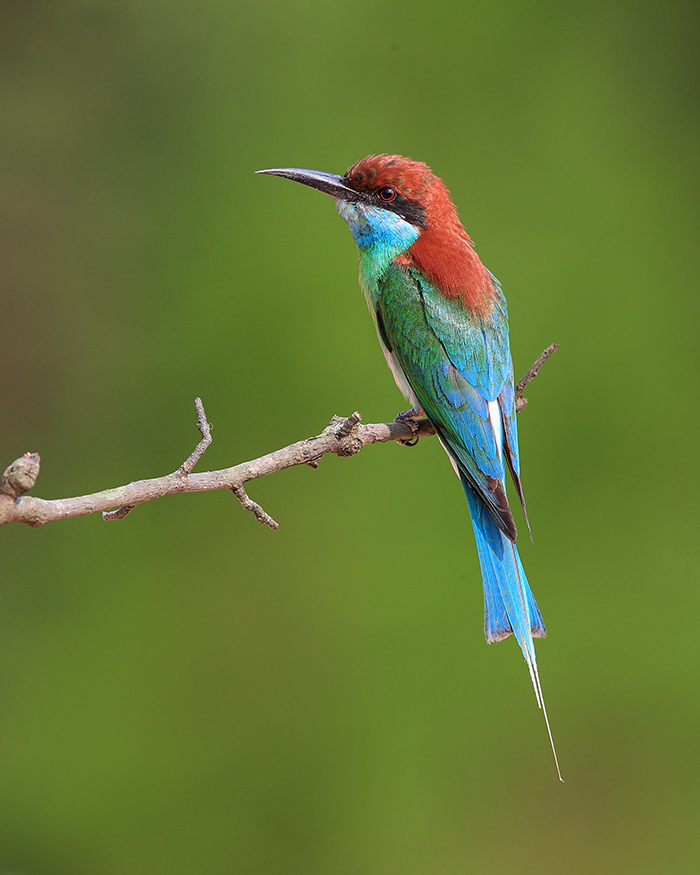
380,235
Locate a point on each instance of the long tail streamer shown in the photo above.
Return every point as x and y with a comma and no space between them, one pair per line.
509,605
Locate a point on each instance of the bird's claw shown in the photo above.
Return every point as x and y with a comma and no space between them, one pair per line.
408,417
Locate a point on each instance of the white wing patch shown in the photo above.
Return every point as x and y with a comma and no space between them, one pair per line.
496,425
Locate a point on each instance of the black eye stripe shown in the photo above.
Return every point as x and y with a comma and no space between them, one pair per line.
410,210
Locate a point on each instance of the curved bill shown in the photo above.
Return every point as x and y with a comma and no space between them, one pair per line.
328,183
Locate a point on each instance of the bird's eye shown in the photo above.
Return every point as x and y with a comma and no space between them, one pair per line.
387,194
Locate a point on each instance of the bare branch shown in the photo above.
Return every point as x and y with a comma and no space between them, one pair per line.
205,431
343,436
520,400
184,469
254,507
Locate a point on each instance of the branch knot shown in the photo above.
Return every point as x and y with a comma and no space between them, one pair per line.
345,431
20,476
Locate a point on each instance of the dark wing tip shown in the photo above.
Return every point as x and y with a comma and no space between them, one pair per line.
502,512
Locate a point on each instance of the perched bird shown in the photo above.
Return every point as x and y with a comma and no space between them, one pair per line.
442,324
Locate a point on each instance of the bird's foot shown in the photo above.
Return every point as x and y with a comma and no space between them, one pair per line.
409,417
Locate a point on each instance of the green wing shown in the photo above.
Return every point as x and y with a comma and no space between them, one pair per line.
456,363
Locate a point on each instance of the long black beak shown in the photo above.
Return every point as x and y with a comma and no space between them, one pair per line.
328,183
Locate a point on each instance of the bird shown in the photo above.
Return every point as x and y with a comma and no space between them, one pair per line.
442,323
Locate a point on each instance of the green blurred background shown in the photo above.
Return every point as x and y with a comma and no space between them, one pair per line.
189,692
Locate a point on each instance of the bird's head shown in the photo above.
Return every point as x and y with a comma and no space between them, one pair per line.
399,210
381,182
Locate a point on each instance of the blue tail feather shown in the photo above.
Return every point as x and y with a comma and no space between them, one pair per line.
509,605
